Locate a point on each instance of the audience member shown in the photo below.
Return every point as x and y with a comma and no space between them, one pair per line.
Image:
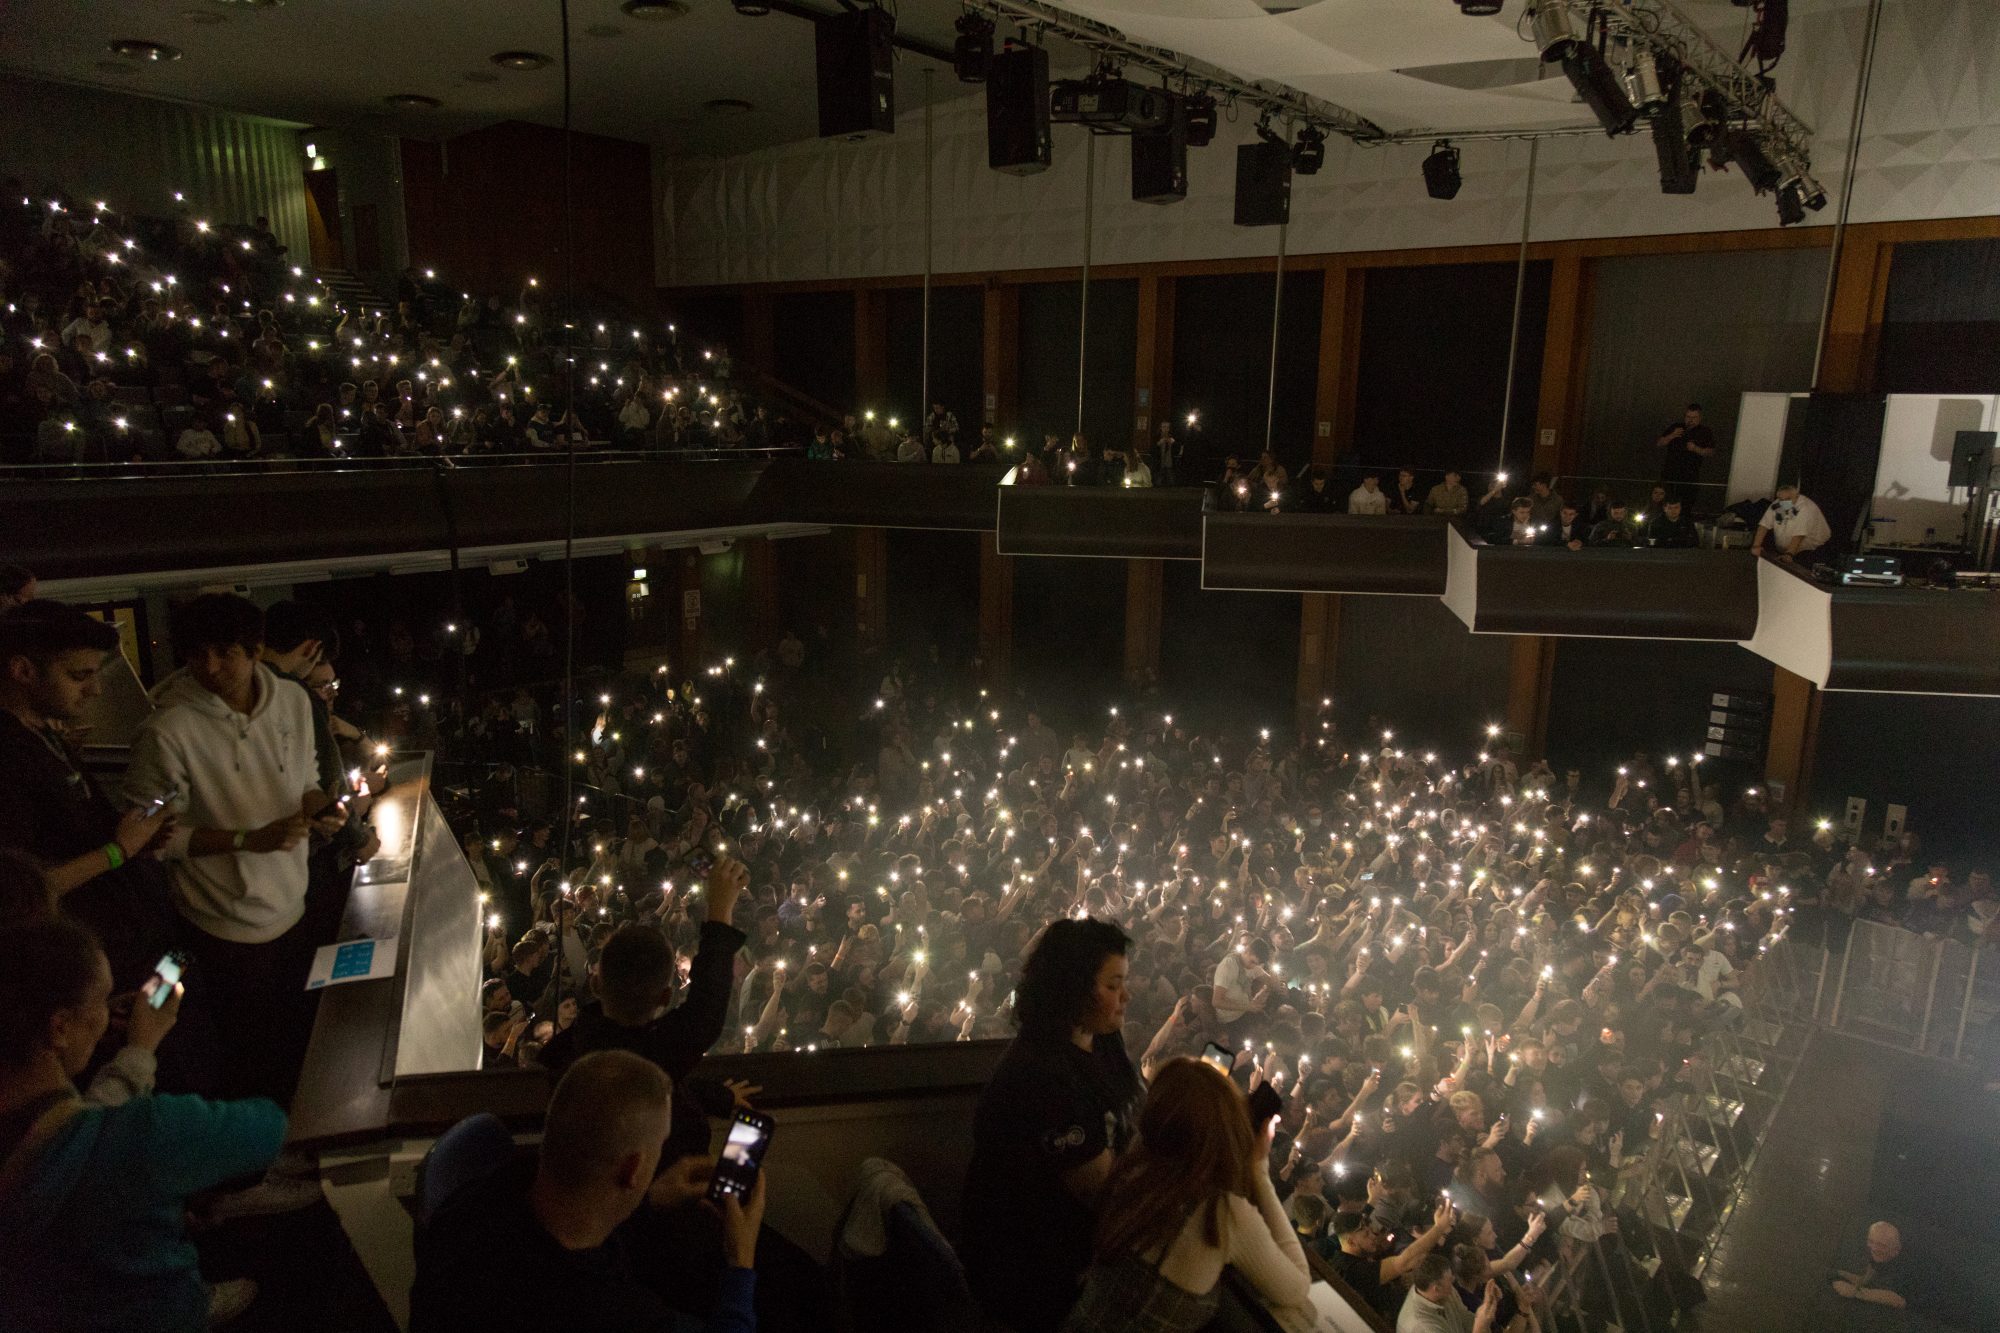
1793,526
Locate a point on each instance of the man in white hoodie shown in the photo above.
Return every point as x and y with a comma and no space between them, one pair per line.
235,741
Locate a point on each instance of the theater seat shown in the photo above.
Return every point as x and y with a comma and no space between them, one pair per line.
895,1270
470,1149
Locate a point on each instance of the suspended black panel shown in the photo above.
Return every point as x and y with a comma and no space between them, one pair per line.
1916,641
886,495
1102,521
1325,553
1617,594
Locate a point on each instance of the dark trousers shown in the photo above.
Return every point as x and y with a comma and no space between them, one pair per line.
259,1012
678,1252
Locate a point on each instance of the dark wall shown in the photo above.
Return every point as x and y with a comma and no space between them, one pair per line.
816,589
486,211
1667,330
1433,367
1416,665
1932,753
958,349
1069,634
1222,366
813,344
1231,656
705,318
933,593
725,614
1941,318
1048,360
1609,697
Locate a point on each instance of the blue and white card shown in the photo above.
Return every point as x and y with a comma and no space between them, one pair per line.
354,960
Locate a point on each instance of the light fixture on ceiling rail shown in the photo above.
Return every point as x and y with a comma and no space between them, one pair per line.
1309,151
1554,31
521,60
1797,192
972,53
1600,87
1678,158
1740,145
1200,111
1640,72
1441,176
142,52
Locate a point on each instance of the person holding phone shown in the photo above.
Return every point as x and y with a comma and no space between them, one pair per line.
97,857
543,1240
1192,1197
1059,1109
93,1221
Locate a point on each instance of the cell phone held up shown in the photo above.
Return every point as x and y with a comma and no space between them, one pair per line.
166,975
1218,1055
742,1156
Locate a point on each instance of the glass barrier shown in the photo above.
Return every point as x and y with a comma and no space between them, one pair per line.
1921,993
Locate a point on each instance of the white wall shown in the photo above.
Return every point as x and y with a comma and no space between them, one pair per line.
1912,479
231,167
1931,148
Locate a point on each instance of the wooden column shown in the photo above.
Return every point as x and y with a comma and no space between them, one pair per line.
1788,758
1319,649
1530,667
687,609
1000,355
996,608
1854,324
1153,377
1565,350
871,347
871,586
760,592
1339,359
1144,580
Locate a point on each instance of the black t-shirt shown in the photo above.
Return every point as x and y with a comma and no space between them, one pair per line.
1050,1108
1682,463
1363,1272
52,810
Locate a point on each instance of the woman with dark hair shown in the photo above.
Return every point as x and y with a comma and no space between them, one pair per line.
1059,1110
1192,1197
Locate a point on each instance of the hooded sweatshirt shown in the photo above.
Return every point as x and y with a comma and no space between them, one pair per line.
93,1230
233,771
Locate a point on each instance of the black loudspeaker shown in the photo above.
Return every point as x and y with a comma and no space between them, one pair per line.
1839,445
1017,111
857,81
1263,184
1972,458
1680,169
1159,161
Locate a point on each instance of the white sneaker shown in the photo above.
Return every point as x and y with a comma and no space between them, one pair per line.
274,1194
229,1300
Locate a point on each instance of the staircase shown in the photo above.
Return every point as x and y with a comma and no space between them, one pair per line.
351,291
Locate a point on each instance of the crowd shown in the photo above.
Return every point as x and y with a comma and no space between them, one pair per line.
1462,989
126,337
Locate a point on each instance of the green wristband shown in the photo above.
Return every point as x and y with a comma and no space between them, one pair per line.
114,854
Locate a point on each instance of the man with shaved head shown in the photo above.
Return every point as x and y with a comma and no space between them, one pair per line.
1881,1279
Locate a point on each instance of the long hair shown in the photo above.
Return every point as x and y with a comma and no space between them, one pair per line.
1194,1147
1060,974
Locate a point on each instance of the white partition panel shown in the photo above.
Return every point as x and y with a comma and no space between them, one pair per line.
1794,623
1913,493
1760,440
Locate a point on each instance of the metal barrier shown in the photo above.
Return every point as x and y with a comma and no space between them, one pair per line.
1920,993
1673,1199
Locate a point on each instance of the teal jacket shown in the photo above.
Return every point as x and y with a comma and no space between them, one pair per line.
93,1234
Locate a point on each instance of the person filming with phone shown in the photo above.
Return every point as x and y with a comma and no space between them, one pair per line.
100,861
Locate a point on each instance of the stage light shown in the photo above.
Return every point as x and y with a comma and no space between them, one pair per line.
1599,87
1480,8
1644,87
1679,159
750,8
1791,209
1441,177
972,53
1739,144
1554,31
1200,110
1309,151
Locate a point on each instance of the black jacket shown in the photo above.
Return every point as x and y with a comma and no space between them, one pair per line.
675,1041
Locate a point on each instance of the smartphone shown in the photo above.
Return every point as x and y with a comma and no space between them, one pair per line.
166,975
1265,1103
160,802
742,1155
1215,1053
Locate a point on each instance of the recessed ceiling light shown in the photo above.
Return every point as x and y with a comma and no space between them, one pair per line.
413,101
522,60
728,106
656,11
207,18
143,52
602,30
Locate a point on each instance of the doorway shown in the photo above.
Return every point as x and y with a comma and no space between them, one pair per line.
323,219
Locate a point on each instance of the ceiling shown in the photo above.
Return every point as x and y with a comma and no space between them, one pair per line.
334,62
1405,64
